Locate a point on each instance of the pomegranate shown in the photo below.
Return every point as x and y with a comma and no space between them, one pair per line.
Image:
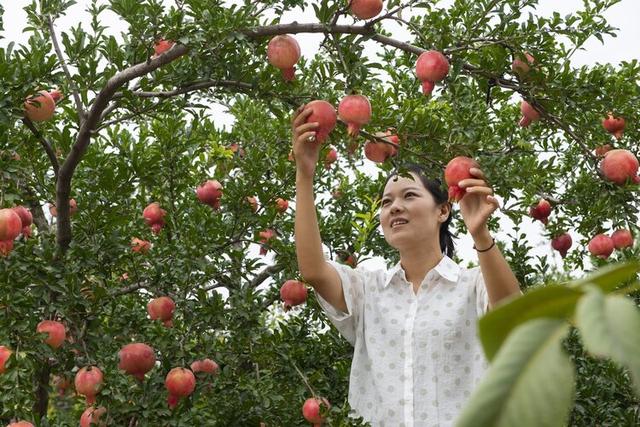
456,170
88,382
41,107
207,366
619,165
5,354
281,205
614,125
139,245
562,243
603,149
154,216
136,359
73,208
162,309
529,114
237,150
283,52
601,246
10,227
26,218
313,408
293,292
365,9
161,46
21,424
265,236
253,202
622,239
180,382
521,65
355,111
348,259
330,158
541,211
56,331
91,417
210,193
431,67
325,114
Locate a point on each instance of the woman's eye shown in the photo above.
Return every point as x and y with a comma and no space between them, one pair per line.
409,194
384,202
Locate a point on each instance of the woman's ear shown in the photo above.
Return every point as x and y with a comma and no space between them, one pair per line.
445,211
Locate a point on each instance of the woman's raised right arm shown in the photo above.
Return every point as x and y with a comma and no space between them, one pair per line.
311,263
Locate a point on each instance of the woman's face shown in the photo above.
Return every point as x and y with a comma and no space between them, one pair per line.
409,214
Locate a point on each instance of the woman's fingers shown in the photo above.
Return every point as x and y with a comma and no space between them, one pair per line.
306,137
300,116
477,172
305,127
480,190
469,182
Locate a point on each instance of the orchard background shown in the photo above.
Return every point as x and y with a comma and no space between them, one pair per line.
133,129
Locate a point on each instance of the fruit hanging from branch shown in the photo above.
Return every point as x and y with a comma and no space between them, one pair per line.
601,246
541,211
162,309
161,46
281,205
55,330
265,237
529,114
521,64
562,243
140,246
312,410
41,107
292,293
365,9
378,151
180,382
614,125
210,193
206,366
91,417
26,218
154,216
355,111
283,52
73,208
10,228
88,383
431,67
5,354
330,158
622,239
136,359
620,166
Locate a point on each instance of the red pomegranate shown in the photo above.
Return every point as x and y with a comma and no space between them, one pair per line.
520,65
180,382
601,246
313,408
456,170
325,114
253,202
88,382
162,309
210,193
26,218
5,354
154,216
619,166
40,107
265,236
56,331
355,111
136,359
379,152
529,114
139,245
161,46
562,243
21,424
622,239
283,52
614,125
91,417
603,149
431,67
10,227
207,366
281,205
365,9
330,158
293,292
73,208
541,211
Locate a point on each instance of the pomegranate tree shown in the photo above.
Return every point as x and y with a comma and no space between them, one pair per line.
541,211
619,166
355,111
180,382
137,359
622,239
88,383
313,408
92,417
562,243
26,218
162,309
210,193
10,227
529,114
601,246
293,292
457,170
154,216
55,330
614,125
281,205
365,9
206,366
431,67
5,354
325,115
283,52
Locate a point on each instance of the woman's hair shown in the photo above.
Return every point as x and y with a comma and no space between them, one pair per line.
440,195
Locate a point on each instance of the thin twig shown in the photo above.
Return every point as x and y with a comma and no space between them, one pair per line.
45,144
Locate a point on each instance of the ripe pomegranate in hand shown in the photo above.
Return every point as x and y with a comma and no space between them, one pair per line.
622,239
162,309
161,46
355,111
180,382
136,359
154,216
56,331
283,52
325,115
91,417
26,218
5,354
207,366
10,227
41,107
614,125
293,292
281,205
365,9
139,245
529,114
457,170
330,158
88,382
210,193
311,410
541,211
601,246
431,67
619,166
520,65
562,243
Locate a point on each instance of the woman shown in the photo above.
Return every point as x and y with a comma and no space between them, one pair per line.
416,354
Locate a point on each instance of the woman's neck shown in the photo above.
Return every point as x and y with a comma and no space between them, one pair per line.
416,264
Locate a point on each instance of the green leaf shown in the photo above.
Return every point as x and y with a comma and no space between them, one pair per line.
609,277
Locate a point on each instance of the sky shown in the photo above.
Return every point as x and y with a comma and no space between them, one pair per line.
624,47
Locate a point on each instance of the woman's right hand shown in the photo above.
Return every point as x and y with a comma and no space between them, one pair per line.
306,149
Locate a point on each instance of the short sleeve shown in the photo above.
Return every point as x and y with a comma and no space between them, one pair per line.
482,298
352,281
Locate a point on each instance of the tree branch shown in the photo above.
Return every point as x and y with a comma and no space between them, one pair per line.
45,144
129,289
265,274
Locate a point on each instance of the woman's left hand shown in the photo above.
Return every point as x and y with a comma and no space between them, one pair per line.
478,203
